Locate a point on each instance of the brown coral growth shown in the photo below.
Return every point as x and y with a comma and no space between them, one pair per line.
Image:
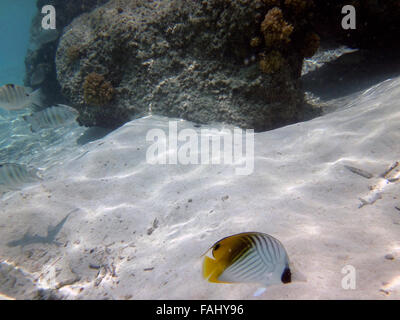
271,62
275,29
97,91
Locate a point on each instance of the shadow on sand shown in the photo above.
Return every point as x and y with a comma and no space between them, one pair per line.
52,232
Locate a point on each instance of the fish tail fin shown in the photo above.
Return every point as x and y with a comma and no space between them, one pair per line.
37,100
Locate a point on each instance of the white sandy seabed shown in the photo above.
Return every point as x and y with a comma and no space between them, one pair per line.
137,231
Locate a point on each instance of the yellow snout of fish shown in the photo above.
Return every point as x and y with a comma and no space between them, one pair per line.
247,257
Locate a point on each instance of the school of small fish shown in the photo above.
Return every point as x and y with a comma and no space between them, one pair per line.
51,117
14,176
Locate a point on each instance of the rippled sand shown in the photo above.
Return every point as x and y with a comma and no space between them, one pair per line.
137,231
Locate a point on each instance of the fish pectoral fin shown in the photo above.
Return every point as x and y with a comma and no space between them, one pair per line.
259,292
36,99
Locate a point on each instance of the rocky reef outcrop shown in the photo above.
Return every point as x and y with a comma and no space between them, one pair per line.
199,61
236,61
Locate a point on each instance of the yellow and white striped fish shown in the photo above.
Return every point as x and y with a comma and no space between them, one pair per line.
14,97
52,117
14,176
247,257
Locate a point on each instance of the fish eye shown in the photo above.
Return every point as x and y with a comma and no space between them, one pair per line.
217,246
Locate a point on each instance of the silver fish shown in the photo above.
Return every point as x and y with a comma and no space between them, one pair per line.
14,97
13,176
52,117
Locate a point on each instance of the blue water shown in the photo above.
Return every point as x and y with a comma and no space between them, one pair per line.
15,20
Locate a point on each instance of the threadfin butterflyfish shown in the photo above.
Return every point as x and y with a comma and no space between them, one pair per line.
252,257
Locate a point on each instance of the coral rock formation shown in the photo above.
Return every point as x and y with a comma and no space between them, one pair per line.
237,61
73,53
195,61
